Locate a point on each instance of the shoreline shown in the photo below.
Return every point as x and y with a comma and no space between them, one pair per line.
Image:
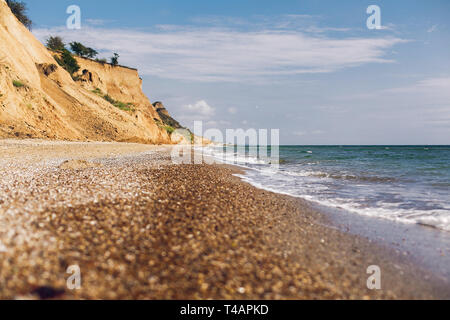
427,246
423,245
142,228
410,245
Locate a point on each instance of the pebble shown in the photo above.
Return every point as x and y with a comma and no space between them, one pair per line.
141,228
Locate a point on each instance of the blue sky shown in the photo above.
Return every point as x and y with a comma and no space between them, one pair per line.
309,68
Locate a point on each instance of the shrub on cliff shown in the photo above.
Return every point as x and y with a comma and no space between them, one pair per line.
108,98
115,59
102,61
56,44
68,62
116,103
91,53
98,92
169,129
19,9
18,84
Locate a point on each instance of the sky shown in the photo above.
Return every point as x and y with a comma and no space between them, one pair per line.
312,69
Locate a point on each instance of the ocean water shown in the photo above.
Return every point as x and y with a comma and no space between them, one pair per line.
408,184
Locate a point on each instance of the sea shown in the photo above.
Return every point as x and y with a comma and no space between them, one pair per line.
406,184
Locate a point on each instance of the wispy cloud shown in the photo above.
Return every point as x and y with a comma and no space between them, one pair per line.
436,85
97,22
388,26
258,22
224,54
315,29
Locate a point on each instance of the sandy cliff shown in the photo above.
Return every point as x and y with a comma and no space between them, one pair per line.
124,84
39,99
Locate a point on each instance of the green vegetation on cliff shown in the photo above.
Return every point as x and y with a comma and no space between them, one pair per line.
55,43
80,50
118,104
67,62
19,9
18,84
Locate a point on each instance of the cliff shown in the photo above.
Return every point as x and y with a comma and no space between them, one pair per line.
39,99
165,116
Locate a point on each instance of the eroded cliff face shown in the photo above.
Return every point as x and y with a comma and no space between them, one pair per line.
39,99
121,83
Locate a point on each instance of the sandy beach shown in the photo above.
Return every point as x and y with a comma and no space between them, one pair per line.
140,227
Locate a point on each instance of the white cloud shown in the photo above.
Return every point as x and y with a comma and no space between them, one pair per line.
200,110
316,29
220,54
389,26
97,22
438,83
258,22
437,86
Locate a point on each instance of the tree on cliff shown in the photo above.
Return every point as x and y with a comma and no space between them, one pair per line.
83,51
56,44
19,9
91,53
77,48
67,62
115,59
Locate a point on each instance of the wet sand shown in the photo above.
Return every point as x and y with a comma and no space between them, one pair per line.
140,227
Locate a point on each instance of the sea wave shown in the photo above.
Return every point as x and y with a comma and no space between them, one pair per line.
319,186
439,219
233,157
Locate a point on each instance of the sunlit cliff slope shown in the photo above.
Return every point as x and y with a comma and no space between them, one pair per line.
39,99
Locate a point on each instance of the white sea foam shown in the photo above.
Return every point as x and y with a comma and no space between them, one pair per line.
317,186
231,157
436,218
